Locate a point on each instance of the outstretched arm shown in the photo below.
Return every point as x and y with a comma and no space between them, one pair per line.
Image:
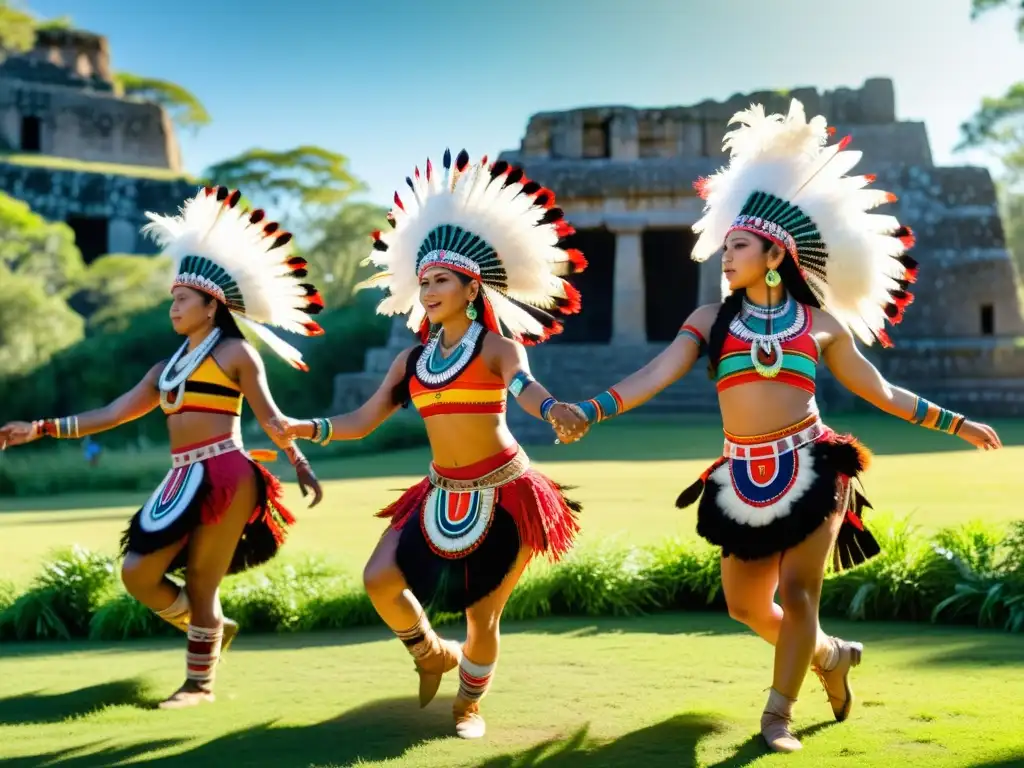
858,375
356,424
674,362
134,404
246,363
509,360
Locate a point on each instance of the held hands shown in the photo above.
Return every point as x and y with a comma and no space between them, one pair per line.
285,428
18,433
980,435
569,422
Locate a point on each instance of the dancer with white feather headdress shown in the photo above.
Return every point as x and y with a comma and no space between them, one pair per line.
806,268
217,511
477,260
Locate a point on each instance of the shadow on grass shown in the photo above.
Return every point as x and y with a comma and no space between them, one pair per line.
381,730
39,707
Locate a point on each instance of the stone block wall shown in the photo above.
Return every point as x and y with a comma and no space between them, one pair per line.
122,200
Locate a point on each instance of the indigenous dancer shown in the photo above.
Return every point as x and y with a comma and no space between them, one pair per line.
475,251
217,511
805,267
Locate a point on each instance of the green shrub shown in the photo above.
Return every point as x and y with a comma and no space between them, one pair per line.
968,574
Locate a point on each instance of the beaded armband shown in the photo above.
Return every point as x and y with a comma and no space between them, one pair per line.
605,406
63,428
930,416
520,382
546,406
695,336
323,431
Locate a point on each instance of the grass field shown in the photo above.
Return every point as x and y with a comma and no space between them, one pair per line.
668,690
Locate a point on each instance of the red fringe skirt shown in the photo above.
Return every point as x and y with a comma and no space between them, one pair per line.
198,490
461,529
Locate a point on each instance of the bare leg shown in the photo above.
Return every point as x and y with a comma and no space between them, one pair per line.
750,587
801,576
211,548
480,652
402,612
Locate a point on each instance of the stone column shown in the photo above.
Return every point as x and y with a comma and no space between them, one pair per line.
629,316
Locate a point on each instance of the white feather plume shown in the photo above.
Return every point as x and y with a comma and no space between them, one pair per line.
788,157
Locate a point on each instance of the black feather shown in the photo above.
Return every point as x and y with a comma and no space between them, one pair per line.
447,158
462,161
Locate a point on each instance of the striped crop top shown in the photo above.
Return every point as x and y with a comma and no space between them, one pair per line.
458,384
788,355
207,390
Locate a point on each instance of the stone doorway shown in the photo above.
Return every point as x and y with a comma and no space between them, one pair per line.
91,236
593,325
671,281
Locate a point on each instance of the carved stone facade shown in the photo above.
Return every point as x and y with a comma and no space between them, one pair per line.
58,104
624,177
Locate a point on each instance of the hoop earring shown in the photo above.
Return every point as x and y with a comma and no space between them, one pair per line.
471,312
773,278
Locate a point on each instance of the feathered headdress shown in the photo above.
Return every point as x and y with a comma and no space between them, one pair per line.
785,184
244,261
488,222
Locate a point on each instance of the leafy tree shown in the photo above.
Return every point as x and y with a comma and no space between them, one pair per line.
17,30
344,241
181,104
303,185
117,287
34,324
32,246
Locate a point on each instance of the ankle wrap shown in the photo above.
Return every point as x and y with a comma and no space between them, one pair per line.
203,653
474,679
420,639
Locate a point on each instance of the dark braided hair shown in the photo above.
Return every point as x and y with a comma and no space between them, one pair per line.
795,286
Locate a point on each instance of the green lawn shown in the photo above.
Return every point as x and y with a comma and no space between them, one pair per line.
671,690
627,473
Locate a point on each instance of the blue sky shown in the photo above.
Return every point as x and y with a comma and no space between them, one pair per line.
388,83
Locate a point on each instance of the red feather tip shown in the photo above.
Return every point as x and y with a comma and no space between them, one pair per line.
417,172
430,169
375,235
313,329
398,201
890,197
700,186
831,130
579,261
484,162
564,229
883,338
907,237
845,142
573,297
301,366
870,178
315,299
208,190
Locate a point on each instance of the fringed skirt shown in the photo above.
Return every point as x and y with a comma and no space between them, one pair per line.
461,530
198,491
770,492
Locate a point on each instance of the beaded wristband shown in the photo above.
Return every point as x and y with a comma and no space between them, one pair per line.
605,406
944,420
323,431
62,428
546,406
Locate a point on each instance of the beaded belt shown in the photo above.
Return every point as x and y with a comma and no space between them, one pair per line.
506,473
208,451
783,441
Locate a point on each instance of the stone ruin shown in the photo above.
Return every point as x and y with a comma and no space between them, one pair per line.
624,177
77,152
